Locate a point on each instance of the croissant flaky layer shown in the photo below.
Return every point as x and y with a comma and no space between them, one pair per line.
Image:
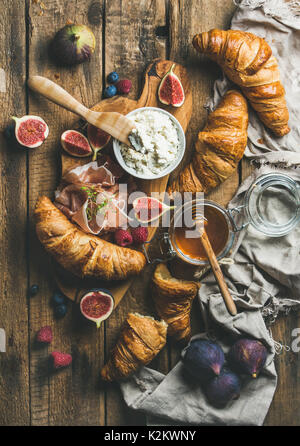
140,340
83,254
247,60
173,300
219,147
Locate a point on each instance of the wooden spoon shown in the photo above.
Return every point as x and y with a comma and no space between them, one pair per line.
200,223
114,123
218,274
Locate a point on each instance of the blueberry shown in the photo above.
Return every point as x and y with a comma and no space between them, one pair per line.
60,310
113,77
9,132
33,290
58,299
110,91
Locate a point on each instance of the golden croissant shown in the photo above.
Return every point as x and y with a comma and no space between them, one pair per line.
219,147
141,339
173,300
247,60
82,254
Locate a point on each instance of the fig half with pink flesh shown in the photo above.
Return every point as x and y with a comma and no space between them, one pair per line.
98,139
75,143
170,91
97,305
31,131
149,209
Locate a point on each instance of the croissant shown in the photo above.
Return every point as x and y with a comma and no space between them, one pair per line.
219,147
247,60
82,254
141,339
173,301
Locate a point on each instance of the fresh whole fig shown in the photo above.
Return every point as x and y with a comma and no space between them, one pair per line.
248,356
73,44
223,388
203,359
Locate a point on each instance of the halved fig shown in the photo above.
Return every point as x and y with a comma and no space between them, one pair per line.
98,139
75,143
148,209
97,305
31,131
170,91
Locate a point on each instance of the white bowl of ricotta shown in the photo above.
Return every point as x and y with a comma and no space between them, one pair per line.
161,148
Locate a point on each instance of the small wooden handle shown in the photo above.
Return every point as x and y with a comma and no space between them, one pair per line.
113,123
218,274
56,94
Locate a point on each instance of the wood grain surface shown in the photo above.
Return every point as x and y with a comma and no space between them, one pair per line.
129,35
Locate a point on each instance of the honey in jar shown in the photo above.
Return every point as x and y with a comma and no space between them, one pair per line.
216,227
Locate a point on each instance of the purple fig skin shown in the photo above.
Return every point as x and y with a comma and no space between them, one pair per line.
203,359
73,44
223,388
248,356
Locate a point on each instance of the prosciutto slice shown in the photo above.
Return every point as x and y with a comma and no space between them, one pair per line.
90,197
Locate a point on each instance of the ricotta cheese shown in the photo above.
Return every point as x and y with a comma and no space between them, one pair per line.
157,143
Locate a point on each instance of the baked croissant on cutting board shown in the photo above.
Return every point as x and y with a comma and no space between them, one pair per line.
82,254
247,60
219,147
173,300
140,340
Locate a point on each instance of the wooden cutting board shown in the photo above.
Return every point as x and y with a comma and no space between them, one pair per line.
70,285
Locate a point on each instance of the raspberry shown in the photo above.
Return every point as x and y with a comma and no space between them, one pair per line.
123,237
124,86
140,234
61,359
44,335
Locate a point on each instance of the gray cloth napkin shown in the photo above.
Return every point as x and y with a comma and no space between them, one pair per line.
278,22
265,277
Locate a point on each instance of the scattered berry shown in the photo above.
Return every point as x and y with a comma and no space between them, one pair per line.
140,234
9,132
124,86
58,299
110,91
44,335
113,77
34,289
60,310
123,237
61,359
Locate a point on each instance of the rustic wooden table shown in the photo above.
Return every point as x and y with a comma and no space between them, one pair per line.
129,35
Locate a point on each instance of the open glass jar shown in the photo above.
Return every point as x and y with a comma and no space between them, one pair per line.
271,205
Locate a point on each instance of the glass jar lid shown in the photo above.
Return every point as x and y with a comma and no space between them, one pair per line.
272,204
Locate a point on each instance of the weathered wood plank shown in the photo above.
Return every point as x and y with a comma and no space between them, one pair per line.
130,45
71,397
14,376
186,18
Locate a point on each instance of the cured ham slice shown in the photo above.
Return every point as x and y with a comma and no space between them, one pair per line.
90,197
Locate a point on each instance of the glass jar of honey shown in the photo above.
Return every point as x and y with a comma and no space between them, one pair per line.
184,242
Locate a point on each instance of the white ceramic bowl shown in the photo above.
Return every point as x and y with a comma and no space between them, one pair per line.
167,170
